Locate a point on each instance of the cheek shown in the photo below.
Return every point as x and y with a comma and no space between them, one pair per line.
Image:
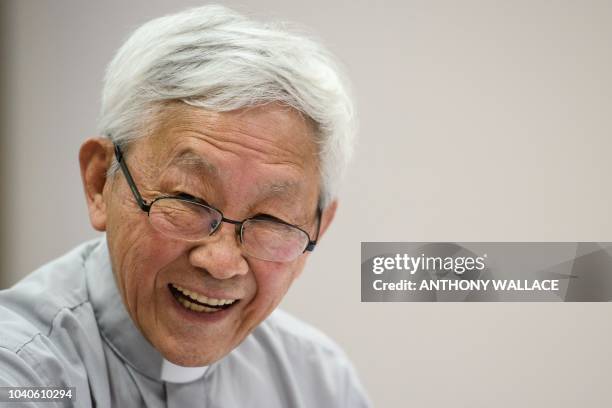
273,281
139,257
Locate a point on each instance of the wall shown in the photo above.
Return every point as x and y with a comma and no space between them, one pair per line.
480,121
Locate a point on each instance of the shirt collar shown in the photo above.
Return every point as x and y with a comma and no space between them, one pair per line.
173,373
118,329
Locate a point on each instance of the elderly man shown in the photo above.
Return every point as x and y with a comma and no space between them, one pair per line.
223,143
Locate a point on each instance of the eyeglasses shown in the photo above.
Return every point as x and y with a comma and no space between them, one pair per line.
186,218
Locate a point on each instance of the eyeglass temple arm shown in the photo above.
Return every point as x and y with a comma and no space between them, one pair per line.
312,244
141,203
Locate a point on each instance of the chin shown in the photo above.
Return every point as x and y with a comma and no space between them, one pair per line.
194,356
187,360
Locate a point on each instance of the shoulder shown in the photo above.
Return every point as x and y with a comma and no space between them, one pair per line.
30,307
296,334
32,311
309,362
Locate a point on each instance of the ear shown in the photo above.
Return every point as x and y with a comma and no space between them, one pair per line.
95,158
327,216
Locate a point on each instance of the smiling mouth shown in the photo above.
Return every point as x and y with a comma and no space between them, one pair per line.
199,303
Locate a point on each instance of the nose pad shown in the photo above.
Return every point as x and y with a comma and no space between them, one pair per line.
238,232
214,225
220,254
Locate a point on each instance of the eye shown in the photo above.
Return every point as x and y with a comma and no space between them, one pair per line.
190,197
263,216
184,195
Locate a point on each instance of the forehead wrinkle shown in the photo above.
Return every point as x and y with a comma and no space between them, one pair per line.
261,140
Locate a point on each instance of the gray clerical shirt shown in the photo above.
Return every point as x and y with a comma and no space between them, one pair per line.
65,325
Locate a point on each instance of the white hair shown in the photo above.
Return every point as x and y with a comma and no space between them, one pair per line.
214,58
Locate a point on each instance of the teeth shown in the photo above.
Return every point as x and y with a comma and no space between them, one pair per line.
204,299
196,308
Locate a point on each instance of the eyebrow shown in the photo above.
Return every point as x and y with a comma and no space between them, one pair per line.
282,188
192,161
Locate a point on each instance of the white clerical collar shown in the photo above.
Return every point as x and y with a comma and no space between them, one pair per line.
178,374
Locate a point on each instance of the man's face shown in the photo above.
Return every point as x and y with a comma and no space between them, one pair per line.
245,163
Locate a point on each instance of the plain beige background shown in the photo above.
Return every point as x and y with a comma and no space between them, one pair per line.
480,121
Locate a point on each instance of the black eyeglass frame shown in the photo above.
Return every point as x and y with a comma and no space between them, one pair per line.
146,207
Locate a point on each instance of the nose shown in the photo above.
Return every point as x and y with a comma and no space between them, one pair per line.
220,254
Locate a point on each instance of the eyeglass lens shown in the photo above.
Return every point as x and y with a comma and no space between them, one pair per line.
262,239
